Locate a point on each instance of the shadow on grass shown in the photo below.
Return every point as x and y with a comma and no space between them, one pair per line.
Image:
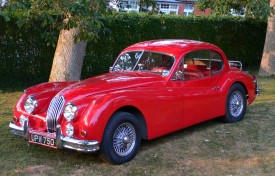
204,126
42,155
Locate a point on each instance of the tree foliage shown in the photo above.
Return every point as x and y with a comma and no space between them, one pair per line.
258,9
58,15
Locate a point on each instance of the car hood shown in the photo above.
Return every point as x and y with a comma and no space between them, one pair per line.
109,82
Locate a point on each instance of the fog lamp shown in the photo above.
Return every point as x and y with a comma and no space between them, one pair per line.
69,130
22,119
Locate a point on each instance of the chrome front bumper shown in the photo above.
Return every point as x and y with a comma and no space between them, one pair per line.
61,141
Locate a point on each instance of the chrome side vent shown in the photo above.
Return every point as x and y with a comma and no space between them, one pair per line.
53,112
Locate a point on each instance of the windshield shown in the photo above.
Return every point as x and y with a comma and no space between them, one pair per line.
144,61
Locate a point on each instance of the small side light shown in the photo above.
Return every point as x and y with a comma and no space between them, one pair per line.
15,119
83,133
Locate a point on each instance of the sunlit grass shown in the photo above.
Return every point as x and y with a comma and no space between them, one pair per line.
210,148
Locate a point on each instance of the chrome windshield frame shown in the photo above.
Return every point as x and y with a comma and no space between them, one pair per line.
138,60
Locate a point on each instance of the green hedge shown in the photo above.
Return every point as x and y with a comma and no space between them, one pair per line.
26,58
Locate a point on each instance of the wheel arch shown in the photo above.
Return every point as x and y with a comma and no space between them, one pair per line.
137,113
243,85
231,117
225,89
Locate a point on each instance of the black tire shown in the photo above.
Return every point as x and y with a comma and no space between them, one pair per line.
236,103
121,139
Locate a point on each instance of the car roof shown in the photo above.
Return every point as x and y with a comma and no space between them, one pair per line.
172,46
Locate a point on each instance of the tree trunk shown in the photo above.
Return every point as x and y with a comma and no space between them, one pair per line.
267,67
68,57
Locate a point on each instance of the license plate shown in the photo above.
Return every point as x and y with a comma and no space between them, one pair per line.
44,140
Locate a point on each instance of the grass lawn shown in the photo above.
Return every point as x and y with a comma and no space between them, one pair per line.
210,148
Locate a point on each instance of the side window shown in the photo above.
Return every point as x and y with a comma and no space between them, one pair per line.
199,64
216,63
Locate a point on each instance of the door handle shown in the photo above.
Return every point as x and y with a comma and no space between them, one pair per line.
215,88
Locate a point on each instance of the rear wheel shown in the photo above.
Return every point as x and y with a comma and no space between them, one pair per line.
235,104
121,139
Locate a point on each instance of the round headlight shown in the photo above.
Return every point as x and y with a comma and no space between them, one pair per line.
30,104
70,111
69,130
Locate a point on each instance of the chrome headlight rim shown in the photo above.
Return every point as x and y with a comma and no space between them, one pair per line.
70,111
30,104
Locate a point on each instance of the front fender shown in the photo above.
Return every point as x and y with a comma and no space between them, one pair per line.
96,116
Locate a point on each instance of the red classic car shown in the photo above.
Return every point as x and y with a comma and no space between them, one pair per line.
153,88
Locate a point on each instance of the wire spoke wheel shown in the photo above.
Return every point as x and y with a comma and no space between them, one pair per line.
124,139
121,139
236,104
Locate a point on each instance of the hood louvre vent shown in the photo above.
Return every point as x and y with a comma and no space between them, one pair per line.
54,111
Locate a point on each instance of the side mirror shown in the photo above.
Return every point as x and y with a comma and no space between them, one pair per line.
110,69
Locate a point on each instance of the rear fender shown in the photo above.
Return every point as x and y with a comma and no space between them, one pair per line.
237,77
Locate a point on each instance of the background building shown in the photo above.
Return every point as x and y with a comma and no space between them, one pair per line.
176,7
168,6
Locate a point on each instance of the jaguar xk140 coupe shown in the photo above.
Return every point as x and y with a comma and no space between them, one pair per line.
153,88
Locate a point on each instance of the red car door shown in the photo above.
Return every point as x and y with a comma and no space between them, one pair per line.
197,81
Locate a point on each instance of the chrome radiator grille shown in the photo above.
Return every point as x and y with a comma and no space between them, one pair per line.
53,112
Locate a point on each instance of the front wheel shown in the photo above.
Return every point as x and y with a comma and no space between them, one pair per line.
235,104
121,139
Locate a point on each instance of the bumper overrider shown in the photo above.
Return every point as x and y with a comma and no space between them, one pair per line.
61,141
258,90
257,87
